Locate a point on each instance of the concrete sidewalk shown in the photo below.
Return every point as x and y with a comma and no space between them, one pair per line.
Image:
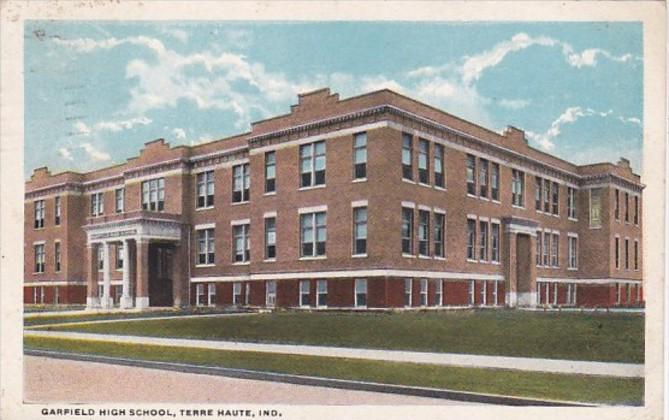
146,318
627,370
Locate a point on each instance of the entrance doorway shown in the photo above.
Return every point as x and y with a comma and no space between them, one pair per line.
160,275
523,268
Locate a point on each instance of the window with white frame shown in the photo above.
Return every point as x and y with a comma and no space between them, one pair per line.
627,207
56,295
423,232
636,254
313,228
119,200
627,254
57,210
470,172
359,230
538,192
517,188
270,238
407,230
616,206
211,294
573,252
237,297
495,293
423,292
618,294
471,239
361,293
616,250
56,256
304,292
537,249
205,246
270,293
546,249
312,164
555,293
241,183
360,156
199,295
439,179
42,294
494,245
547,196
408,286
407,156
494,182
247,293
571,294
483,178
555,250
97,204
636,209
423,161
322,293
101,258
40,257
438,292
205,189
241,241
270,172
595,207
119,257
483,240
153,194
471,292
555,193
484,293
571,203
439,223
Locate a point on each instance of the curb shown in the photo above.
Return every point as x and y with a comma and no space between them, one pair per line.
452,395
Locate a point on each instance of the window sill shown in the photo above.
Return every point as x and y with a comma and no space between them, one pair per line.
440,258
496,201
409,181
204,208
424,257
472,195
408,255
318,257
204,265
240,203
572,219
312,187
472,261
267,194
38,272
241,263
484,198
269,260
556,215
517,207
357,180
495,263
422,184
572,269
42,228
438,188
359,256
594,227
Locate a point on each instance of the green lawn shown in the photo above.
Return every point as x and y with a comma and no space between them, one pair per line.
574,336
495,381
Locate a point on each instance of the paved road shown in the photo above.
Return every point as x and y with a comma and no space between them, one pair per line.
57,380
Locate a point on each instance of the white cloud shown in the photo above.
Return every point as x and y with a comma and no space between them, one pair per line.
115,126
65,153
95,154
588,58
631,120
87,45
176,33
179,133
514,104
570,115
369,84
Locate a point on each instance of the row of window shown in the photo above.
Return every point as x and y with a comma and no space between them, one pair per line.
241,293
435,166
547,249
40,257
546,296
629,291
616,211
616,246
546,196
424,232
484,246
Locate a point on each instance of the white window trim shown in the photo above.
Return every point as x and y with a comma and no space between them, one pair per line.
314,209
240,222
409,204
269,214
204,226
355,293
359,203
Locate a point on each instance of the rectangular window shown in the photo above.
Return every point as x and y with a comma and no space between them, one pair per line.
547,196
407,230
56,256
423,292
304,292
538,248
483,240
471,239
438,292
627,254
495,293
407,292
494,249
494,182
546,249
359,230
555,250
119,200
153,194
636,254
472,292
595,207
211,294
199,295
407,156
312,164
39,258
237,293
627,207
571,203
270,238
270,172
423,232
471,170
423,161
119,257
616,211
322,293
205,189
56,295
439,179
241,241
517,188
270,293
360,156
538,192
483,178
97,204
39,214
360,292
636,209
241,183
555,190
618,293
573,252
101,258
617,252
247,293
314,234
439,223
484,293
205,246
58,211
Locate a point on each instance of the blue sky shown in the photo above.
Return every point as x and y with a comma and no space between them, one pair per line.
95,92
